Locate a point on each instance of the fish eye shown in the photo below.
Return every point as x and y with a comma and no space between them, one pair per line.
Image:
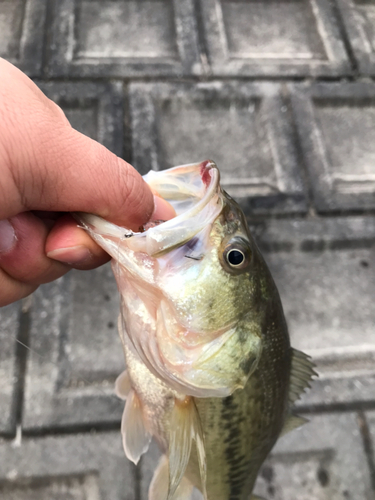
236,255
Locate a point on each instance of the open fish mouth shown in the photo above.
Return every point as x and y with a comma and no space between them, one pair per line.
194,192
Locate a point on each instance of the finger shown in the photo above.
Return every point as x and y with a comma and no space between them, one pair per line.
57,168
23,257
70,244
162,209
12,290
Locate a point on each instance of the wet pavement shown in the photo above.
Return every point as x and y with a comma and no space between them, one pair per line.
281,95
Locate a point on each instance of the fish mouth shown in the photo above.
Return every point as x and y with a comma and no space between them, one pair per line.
194,192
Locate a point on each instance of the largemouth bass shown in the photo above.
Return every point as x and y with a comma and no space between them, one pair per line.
210,371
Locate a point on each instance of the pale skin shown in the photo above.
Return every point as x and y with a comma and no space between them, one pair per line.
48,169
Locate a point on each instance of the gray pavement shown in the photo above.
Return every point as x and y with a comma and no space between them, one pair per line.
281,95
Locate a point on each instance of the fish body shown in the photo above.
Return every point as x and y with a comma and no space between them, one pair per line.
210,371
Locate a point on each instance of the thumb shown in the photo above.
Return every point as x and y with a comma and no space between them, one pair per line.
47,165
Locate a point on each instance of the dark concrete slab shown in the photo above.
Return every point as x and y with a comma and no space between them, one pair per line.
94,109
76,353
325,272
123,39
22,25
77,467
286,38
336,130
244,127
324,460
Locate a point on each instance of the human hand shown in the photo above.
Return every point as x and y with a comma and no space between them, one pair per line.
47,169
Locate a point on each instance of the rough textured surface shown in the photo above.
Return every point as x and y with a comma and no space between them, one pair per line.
273,38
76,353
336,124
95,109
359,19
130,38
321,309
316,462
9,368
246,128
313,462
279,94
22,25
77,467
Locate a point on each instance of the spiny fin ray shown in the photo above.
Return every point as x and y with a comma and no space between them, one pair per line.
301,374
159,485
201,452
184,427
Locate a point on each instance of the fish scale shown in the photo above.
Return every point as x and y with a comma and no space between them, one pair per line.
251,410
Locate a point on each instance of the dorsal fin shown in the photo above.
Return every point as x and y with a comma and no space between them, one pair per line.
135,438
301,374
185,427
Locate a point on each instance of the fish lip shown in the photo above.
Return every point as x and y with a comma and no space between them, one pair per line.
175,232
205,167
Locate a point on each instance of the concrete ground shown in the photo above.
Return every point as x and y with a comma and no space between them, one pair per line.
281,94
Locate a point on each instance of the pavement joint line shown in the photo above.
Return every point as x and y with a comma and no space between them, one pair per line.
348,407
46,40
137,474
307,185
127,148
22,348
313,215
22,21
67,430
202,41
345,39
206,78
368,445
103,427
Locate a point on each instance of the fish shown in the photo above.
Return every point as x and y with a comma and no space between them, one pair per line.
211,374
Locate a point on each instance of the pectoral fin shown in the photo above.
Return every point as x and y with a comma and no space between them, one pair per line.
301,374
123,385
159,485
135,438
185,427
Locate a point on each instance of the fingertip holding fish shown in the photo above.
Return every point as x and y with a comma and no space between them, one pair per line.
162,209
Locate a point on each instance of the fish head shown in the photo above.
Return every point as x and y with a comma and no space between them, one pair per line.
194,289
